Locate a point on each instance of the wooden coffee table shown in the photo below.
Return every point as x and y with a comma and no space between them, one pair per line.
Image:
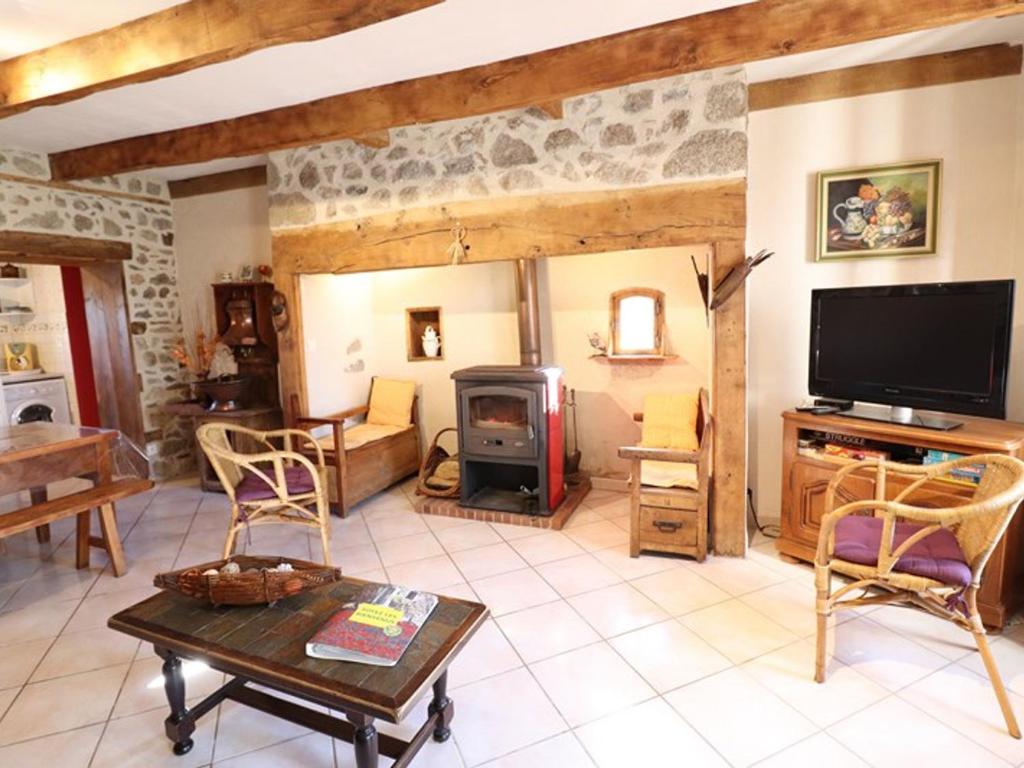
267,645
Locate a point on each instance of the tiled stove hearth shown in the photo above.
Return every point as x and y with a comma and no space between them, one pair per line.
511,451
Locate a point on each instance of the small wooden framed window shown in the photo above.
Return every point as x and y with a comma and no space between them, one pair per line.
637,322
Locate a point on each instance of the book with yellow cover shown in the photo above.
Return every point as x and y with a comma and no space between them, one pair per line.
375,628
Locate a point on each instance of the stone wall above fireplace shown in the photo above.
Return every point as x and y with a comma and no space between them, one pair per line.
680,128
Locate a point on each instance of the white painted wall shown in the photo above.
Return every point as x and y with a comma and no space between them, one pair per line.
365,313
577,292
337,327
479,328
216,233
975,128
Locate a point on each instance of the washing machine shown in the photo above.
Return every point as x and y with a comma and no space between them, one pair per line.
36,397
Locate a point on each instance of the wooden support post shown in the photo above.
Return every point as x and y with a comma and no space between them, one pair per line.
729,408
291,354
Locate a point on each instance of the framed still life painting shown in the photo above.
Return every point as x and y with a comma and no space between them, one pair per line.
885,210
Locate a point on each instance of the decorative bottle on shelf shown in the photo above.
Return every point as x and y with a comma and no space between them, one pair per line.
431,342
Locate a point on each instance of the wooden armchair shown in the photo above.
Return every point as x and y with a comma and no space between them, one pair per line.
917,556
669,486
368,457
273,486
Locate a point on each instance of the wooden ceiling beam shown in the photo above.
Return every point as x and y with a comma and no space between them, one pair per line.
917,72
728,37
375,140
241,178
44,248
552,109
178,39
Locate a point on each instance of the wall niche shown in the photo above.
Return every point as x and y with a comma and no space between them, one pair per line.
423,339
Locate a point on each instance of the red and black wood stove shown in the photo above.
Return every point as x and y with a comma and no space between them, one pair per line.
511,449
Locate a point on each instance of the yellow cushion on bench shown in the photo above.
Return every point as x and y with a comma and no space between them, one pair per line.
670,421
360,435
391,402
669,474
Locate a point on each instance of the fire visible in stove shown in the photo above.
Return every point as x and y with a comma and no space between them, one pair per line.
494,411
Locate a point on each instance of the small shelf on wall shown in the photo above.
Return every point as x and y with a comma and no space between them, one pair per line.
417,320
17,298
633,359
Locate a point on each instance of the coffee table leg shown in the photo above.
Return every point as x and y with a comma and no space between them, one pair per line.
364,740
443,705
179,725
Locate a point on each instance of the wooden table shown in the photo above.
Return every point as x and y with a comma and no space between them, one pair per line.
259,418
267,645
33,455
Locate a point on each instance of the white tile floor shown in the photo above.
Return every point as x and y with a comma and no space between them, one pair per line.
591,659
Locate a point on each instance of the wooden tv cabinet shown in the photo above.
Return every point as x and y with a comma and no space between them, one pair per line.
805,478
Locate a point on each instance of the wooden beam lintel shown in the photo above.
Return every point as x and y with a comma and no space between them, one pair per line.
43,248
917,72
256,176
516,227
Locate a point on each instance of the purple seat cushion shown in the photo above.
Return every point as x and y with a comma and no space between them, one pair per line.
937,556
255,488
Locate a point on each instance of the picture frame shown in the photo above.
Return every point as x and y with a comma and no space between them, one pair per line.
878,211
247,273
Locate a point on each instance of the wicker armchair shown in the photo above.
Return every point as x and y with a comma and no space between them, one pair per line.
275,486
929,558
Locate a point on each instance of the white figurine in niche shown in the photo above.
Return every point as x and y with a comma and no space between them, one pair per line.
431,342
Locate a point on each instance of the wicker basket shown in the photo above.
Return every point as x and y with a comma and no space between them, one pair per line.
258,587
434,456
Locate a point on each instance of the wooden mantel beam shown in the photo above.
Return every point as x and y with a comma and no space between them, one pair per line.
44,248
501,229
751,32
178,39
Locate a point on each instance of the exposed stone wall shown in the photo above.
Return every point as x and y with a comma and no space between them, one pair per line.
34,165
676,129
130,183
150,277
19,162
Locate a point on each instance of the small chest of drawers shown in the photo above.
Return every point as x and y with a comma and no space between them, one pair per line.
668,520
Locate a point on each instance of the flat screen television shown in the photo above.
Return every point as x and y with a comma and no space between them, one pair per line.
937,346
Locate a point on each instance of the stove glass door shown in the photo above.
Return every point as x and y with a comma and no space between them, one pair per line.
499,411
499,421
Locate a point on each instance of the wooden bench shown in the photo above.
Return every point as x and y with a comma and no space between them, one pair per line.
81,504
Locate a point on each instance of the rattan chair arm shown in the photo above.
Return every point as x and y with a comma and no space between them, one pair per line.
251,462
306,438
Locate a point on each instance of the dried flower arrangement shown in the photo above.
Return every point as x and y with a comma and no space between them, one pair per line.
206,358
197,356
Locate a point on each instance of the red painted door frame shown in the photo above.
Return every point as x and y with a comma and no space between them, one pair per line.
81,350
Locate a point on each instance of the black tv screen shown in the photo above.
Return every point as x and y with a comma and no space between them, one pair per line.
939,346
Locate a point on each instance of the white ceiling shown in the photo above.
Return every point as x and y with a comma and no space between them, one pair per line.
453,35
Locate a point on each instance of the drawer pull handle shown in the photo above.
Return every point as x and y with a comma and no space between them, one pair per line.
667,526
